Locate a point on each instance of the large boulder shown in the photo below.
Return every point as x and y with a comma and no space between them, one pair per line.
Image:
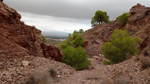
51,52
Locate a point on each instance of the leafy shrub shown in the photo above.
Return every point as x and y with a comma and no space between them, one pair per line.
65,43
145,62
76,57
78,41
74,40
123,18
121,47
44,39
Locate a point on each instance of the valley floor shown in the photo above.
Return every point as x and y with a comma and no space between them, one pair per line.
127,72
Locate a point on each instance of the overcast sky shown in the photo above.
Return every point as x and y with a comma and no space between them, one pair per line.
68,15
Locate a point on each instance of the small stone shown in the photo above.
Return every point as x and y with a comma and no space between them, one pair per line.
100,54
58,76
96,57
83,81
25,63
5,73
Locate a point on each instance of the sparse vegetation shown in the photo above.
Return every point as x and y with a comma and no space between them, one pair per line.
44,39
100,16
41,77
121,47
76,57
145,62
123,18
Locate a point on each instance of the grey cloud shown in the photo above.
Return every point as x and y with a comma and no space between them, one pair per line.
74,8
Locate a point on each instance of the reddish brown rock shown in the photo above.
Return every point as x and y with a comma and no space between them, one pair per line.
18,39
51,52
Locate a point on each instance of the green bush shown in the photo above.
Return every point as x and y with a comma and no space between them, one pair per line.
65,43
123,18
44,39
74,40
72,50
76,57
121,47
78,41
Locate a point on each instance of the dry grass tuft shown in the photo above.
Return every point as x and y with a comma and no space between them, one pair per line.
145,62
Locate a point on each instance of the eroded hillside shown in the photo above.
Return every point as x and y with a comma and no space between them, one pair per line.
137,25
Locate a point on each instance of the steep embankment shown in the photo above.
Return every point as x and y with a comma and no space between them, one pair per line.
137,25
16,38
20,40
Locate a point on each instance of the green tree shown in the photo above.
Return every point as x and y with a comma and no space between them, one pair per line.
100,16
123,18
74,40
121,47
81,31
76,57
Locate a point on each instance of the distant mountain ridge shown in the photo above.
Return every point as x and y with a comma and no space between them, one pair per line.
56,37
